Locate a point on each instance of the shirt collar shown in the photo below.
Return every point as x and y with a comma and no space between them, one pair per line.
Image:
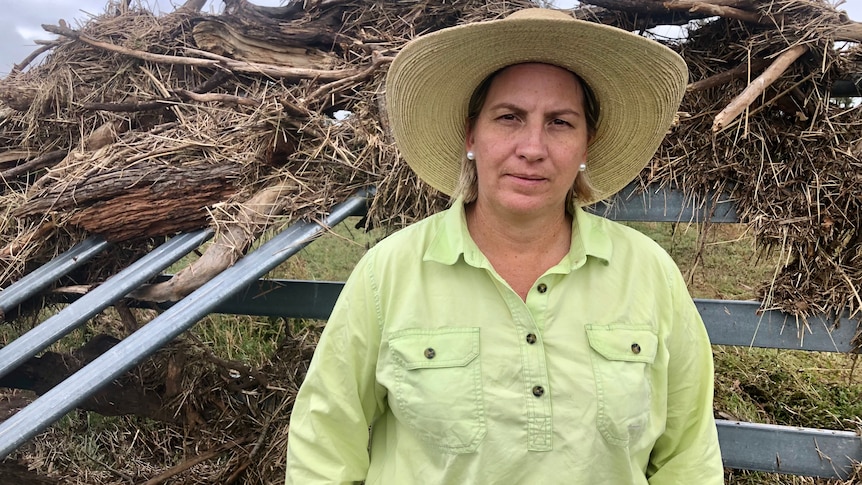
452,240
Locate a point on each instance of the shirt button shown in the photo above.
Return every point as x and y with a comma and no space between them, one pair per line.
538,391
542,287
531,338
636,348
429,353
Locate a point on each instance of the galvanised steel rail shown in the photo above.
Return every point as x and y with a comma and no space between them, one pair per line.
651,204
130,351
807,452
113,289
728,322
43,276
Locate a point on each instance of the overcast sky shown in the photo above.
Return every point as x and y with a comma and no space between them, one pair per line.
21,24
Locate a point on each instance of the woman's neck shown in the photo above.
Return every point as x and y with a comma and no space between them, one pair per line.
493,232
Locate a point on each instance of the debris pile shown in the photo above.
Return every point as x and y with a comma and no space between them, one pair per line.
136,126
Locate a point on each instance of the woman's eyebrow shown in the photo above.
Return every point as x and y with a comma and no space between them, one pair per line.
505,105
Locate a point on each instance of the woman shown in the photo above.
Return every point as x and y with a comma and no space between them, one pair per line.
515,338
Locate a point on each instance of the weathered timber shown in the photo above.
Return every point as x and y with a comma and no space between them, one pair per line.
756,88
231,38
723,78
141,200
227,247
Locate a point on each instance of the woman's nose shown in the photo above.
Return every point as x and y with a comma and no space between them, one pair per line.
532,143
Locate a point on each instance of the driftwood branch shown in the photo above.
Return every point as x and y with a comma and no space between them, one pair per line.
14,155
663,8
192,6
280,72
723,78
377,61
214,61
709,8
42,161
179,95
851,32
227,247
33,55
756,88
143,55
215,81
216,97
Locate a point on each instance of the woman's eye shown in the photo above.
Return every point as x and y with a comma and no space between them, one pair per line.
508,116
560,122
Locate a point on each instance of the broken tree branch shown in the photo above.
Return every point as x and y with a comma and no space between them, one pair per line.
42,161
215,81
756,88
227,247
143,55
33,55
723,78
713,9
377,61
215,61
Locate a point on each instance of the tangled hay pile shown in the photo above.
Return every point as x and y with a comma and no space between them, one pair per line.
136,127
793,160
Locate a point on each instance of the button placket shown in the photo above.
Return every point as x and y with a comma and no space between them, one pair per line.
534,368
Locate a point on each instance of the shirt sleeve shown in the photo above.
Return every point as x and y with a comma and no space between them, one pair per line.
688,451
339,399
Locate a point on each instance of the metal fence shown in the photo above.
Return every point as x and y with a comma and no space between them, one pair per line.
238,290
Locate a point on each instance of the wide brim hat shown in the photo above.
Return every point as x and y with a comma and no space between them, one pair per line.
637,84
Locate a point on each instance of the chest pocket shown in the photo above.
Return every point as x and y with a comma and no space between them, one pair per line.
621,358
438,386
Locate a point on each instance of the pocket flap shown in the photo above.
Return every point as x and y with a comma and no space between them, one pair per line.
419,348
629,343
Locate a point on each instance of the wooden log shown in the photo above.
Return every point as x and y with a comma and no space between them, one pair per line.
227,247
851,32
756,88
176,206
230,38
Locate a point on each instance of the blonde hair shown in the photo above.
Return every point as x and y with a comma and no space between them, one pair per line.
468,181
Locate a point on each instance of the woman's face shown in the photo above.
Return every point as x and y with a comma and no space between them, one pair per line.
529,140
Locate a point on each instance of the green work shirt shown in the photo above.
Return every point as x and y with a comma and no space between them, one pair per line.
603,376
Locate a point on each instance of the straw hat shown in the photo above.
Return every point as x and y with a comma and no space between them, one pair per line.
638,85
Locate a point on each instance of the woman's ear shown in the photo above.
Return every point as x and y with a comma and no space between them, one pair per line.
468,136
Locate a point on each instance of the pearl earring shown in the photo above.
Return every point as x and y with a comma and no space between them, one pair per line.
583,167
471,156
